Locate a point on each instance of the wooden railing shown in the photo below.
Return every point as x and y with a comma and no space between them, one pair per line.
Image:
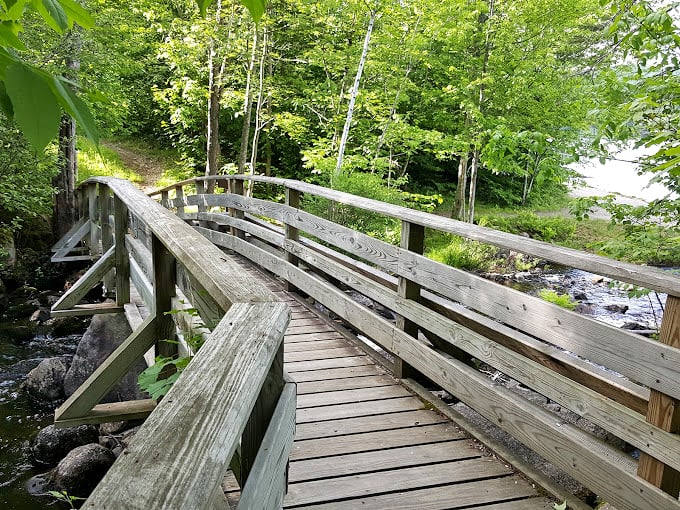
625,383
230,406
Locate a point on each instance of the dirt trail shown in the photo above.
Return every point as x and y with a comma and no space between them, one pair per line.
149,169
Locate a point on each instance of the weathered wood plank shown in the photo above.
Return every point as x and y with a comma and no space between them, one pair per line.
88,309
142,285
352,383
301,366
349,396
379,460
91,277
460,495
71,240
249,227
309,355
309,328
335,373
114,411
306,493
316,346
371,441
356,409
122,262
222,383
311,337
266,476
70,234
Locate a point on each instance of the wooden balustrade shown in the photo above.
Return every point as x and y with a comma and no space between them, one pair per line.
625,383
232,405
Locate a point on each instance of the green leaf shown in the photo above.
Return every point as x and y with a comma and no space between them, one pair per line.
203,5
53,14
256,8
9,31
5,102
36,111
77,108
76,13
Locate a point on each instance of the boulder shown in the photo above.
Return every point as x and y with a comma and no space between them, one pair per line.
41,315
52,444
47,379
614,308
8,251
105,333
82,469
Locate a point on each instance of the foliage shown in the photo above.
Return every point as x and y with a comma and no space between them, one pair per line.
543,228
102,161
461,253
563,300
560,506
64,497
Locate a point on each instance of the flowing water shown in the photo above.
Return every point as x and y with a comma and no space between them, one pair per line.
21,415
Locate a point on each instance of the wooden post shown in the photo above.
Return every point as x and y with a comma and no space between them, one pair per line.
120,222
261,416
292,233
200,190
107,233
237,189
179,195
663,410
165,199
412,239
92,208
163,292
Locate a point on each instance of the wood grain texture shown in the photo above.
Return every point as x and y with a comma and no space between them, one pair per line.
114,411
120,225
91,278
216,391
350,383
354,409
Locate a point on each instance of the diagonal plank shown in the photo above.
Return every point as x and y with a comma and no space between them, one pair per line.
87,281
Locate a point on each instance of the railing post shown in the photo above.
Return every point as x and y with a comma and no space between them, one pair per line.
200,190
179,195
92,212
120,222
107,233
163,292
237,188
261,416
412,239
292,233
663,410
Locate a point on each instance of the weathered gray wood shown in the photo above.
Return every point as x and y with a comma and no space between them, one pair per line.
141,254
62,254
159,468
142,285
372,423
340,352
371,441
108,373
87,309
115,411
200,189
387,481
106,231
292,233
355,463
335,373
92,214
253,229
219,275
354,409
311,337
120,215
664,412
268,471
349,383
350,396
91,277
236,189
321,364
637,275
446,497
70,235
179,194
316,345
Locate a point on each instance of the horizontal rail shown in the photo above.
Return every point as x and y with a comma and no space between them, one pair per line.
566,357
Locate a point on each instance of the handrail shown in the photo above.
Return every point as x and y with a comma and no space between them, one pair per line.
181,453
643,276
465,316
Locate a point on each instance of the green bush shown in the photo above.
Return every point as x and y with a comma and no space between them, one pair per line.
563,300
463,254
551,229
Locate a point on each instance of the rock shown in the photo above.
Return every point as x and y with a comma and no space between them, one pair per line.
105,333
8,250
52,444
585,308
41,315
47,379
616,308
117,427
580,296
634,326
82,469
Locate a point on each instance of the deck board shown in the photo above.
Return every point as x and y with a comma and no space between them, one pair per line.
364,441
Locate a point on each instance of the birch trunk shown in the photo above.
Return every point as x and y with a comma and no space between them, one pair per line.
355,92
248,107
458,211
259,122
473,186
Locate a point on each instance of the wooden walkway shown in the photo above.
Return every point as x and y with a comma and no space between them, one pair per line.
364,441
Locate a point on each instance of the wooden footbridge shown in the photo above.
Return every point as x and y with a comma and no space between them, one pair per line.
298,406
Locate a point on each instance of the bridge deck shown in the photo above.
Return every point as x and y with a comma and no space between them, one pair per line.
364,441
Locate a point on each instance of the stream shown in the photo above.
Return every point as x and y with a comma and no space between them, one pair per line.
21,415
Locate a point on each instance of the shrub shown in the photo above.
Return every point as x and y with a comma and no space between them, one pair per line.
563,300
464,254
544,228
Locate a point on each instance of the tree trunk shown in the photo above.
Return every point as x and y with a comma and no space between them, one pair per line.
473,186
65,182
355,92
248,107
458,211
213,135
259,122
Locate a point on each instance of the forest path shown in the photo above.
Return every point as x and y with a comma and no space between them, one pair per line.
149,168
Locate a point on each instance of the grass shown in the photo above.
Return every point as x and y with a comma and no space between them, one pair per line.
104,162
